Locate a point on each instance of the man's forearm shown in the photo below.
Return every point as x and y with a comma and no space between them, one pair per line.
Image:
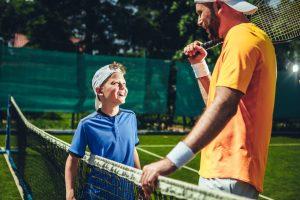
203,83
213,120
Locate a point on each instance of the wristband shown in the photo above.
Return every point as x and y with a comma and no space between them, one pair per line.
180,155
200,69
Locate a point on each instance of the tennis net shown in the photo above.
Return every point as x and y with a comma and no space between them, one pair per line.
40,160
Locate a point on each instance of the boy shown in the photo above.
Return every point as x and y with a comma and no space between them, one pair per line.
109,132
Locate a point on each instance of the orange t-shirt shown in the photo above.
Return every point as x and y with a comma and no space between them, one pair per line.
247,63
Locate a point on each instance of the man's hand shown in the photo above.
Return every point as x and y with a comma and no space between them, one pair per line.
195,52
152,171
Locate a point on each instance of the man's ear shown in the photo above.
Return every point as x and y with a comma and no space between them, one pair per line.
99,91
218,6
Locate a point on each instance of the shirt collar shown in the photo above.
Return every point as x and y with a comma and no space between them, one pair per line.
99,111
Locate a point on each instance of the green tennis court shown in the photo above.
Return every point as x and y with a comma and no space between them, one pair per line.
281,182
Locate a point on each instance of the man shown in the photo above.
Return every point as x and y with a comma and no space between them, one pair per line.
233,133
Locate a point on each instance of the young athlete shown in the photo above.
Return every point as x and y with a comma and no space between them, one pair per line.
110,132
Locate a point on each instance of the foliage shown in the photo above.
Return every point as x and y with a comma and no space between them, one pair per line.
157,29
137,28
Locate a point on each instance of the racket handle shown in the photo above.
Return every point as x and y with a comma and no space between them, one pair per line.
209,45
212,43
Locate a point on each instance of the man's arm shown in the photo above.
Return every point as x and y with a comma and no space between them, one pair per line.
203,83
214,118
207,128
196,56
70,174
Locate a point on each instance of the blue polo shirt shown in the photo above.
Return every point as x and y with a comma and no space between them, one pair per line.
110,137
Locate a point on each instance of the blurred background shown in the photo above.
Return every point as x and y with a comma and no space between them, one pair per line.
50,49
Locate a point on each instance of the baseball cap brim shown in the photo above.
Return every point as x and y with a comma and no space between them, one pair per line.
238,5
242,6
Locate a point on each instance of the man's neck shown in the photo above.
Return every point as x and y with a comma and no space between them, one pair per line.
238,20
110,110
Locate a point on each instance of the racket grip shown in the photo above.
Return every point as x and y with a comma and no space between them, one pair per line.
212,43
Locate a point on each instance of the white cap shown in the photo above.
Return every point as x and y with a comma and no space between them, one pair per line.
100,76
238,5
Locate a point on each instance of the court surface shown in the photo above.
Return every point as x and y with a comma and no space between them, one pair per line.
282,180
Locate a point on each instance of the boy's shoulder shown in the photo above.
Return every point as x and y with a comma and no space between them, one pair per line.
89,117
93,116
126,111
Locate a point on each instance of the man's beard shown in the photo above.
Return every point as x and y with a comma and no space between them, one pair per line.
213,29
213,25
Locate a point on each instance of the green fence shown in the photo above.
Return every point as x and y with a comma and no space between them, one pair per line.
58,81
287,101
189,103
188,98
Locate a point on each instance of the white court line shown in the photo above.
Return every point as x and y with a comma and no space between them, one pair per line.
185,167
158,145
173,145
285,144
20,189
158,156
265,197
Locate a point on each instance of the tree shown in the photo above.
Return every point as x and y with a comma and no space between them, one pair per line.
161,28
157,29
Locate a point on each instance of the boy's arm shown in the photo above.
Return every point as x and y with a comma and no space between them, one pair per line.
137,163
70,174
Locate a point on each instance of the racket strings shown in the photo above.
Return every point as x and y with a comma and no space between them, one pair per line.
279,18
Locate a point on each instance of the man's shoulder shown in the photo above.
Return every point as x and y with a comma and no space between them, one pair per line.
246,38
247,34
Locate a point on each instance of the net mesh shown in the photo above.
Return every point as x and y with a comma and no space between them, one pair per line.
41,157
279,18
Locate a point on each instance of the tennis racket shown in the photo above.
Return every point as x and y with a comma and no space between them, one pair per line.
280,19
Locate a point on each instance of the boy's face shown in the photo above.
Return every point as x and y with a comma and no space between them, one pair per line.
114,90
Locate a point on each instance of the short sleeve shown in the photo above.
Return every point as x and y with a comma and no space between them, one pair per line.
136,139
79,141
238,64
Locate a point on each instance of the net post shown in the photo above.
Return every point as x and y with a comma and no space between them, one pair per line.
2,150
7,140
148,76
73,121
81,79
171,101
1,49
